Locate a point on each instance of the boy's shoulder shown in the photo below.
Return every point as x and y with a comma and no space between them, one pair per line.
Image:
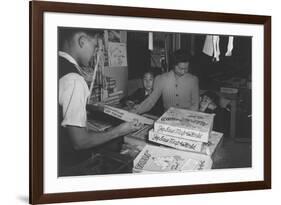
72,76
72,79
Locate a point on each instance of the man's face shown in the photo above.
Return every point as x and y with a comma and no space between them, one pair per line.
88,48
181,68
148,81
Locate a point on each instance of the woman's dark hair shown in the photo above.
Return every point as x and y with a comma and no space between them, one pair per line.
180,56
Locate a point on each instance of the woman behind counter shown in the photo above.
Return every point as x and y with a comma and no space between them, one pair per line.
177,88
142,93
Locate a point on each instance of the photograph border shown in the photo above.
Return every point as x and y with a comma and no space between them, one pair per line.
36,100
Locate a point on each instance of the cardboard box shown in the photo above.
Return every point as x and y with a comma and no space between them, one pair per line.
125,115
186,124
155,159
175,142
215,140
188,145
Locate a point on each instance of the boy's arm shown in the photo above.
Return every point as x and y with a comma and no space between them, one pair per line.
72,98
81,138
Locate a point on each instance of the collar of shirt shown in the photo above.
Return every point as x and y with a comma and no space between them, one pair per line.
147,92
86,75
173,75
70,59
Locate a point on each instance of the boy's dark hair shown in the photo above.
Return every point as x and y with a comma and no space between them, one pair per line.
66,33
180,56
150,72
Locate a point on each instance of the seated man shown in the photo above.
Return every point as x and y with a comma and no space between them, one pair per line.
178,88
142,93
77,46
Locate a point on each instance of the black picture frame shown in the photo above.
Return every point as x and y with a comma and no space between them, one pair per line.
36,104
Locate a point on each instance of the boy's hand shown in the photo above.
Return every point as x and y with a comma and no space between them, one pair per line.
212,106
204,105
128,127
135,109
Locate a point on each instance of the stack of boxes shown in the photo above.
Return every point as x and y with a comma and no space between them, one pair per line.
186,130
183,131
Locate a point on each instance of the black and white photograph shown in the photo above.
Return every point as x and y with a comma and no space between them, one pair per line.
143,102
139,102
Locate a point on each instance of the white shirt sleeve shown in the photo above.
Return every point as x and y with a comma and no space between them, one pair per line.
73,94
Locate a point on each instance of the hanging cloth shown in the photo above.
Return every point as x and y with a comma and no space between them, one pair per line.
216,45
229,46
208,48
211,47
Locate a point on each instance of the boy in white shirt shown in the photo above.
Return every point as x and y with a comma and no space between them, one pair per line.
77,46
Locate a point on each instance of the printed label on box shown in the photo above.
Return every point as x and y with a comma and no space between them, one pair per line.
185,124
175,142
161,159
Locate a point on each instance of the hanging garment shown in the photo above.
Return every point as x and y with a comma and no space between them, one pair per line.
208,48
216,41
212,46
229,46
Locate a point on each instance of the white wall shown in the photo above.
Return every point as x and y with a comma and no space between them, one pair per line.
14,101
